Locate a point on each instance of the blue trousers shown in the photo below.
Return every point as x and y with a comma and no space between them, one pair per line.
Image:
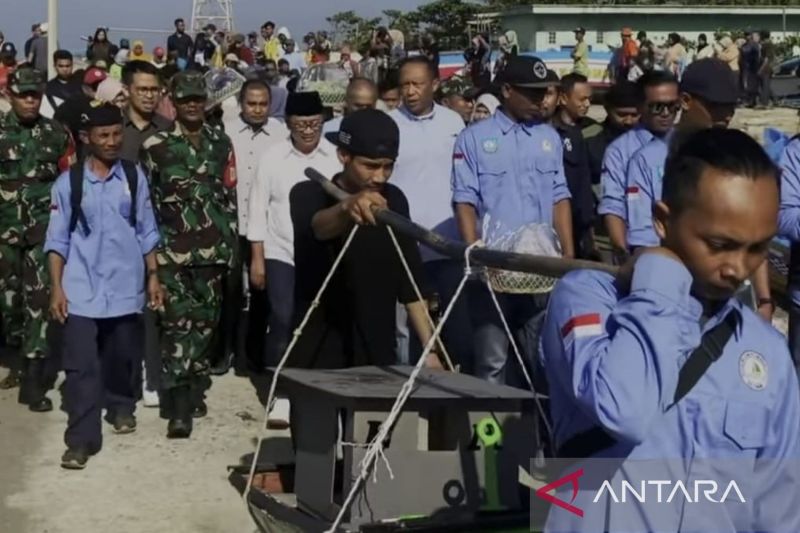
525,316
102,358
280,288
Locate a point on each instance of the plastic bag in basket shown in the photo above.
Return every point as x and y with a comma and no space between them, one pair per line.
533,239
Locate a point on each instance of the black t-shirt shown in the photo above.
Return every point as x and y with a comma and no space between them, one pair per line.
69,114
355,322
181,43
59,92
579,181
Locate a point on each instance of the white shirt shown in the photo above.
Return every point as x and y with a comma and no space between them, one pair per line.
248,145
281,168
424,167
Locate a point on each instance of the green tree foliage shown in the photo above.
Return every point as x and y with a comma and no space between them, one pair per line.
347,26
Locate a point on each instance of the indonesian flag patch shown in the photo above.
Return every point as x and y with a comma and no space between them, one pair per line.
582,326
632,193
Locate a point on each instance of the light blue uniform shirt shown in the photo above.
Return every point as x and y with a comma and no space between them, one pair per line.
512,173
612,359
614,176
424,166
333,125
645,174
789,215
105,272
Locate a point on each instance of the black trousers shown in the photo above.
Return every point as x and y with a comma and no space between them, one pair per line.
101,362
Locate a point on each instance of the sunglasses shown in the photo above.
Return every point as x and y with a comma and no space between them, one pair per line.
661,108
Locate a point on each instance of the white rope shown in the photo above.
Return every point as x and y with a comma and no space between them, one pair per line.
297,332
376,446
520,360
381,455
418,293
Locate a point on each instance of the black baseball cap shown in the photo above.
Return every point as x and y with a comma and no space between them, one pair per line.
528,72
368,133
579,29
712,80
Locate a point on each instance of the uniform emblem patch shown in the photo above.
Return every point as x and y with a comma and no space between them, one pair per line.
546,146
568,145
753,369
490,146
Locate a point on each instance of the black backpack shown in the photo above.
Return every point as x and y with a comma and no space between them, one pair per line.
76,194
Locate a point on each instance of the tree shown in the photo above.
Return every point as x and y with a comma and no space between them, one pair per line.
447,20
349,27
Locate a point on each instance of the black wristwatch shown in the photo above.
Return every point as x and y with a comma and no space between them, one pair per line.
766,301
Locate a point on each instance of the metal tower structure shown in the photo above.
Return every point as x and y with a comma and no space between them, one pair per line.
216,12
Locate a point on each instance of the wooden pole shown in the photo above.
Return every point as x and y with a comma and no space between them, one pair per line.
555,267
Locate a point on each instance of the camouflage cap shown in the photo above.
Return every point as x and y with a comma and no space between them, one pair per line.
26,80
454,85
188,84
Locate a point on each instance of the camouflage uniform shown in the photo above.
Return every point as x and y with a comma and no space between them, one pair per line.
194,194
31,158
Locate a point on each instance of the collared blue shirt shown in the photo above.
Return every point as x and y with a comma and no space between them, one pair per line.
645,174
424,166
105,272
333,125
512,173
612,359
789,215
614,176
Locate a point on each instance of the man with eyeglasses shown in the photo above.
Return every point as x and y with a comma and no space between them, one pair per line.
269,227
193,181
709,92
623,112
657,100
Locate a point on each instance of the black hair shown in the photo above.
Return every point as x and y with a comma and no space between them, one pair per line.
420,60
97,32
569,82
137,67
268,24
270,62
702,37
654,78
62,55
624,93
390,82
176,21
730,151
282,61
254,83
764,34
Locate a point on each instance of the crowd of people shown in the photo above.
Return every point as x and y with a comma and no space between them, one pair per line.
130,216
751,55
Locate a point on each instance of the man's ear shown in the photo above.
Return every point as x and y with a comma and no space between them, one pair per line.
562,98
343,156
686,99
436,84
83,135
661,219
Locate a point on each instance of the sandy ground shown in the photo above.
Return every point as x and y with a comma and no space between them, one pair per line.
143,483
139,483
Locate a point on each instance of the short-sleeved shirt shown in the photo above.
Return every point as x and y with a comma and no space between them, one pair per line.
180,43
645,175
512,173
133,138
613,177
39,51
581,58
355,323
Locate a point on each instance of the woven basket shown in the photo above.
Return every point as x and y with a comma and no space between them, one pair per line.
534,239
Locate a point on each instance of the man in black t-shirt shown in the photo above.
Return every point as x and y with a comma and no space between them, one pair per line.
63,86
355,323
181,44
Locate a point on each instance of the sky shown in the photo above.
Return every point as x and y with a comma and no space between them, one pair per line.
82,17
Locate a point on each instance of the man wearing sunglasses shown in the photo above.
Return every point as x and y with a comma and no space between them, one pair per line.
709,92
657,99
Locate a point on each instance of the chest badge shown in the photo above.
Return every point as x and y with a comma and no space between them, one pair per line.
753,369
568,145
490,146
546,146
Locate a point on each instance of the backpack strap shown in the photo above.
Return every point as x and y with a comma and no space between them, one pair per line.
75,197
132,176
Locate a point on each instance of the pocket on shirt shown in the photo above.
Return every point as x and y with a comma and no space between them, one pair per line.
746,424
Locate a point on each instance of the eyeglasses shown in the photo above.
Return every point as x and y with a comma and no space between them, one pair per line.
144,91
661,108
306,126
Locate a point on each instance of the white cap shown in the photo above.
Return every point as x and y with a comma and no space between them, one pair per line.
44,27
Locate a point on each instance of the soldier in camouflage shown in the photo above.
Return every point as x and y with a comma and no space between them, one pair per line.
193,181
33,152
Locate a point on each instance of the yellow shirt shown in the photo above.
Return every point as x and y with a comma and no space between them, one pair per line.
272,49
580,58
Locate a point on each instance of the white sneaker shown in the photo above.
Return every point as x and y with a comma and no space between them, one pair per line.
279,415
149,397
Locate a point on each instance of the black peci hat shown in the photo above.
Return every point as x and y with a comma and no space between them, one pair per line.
368,133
